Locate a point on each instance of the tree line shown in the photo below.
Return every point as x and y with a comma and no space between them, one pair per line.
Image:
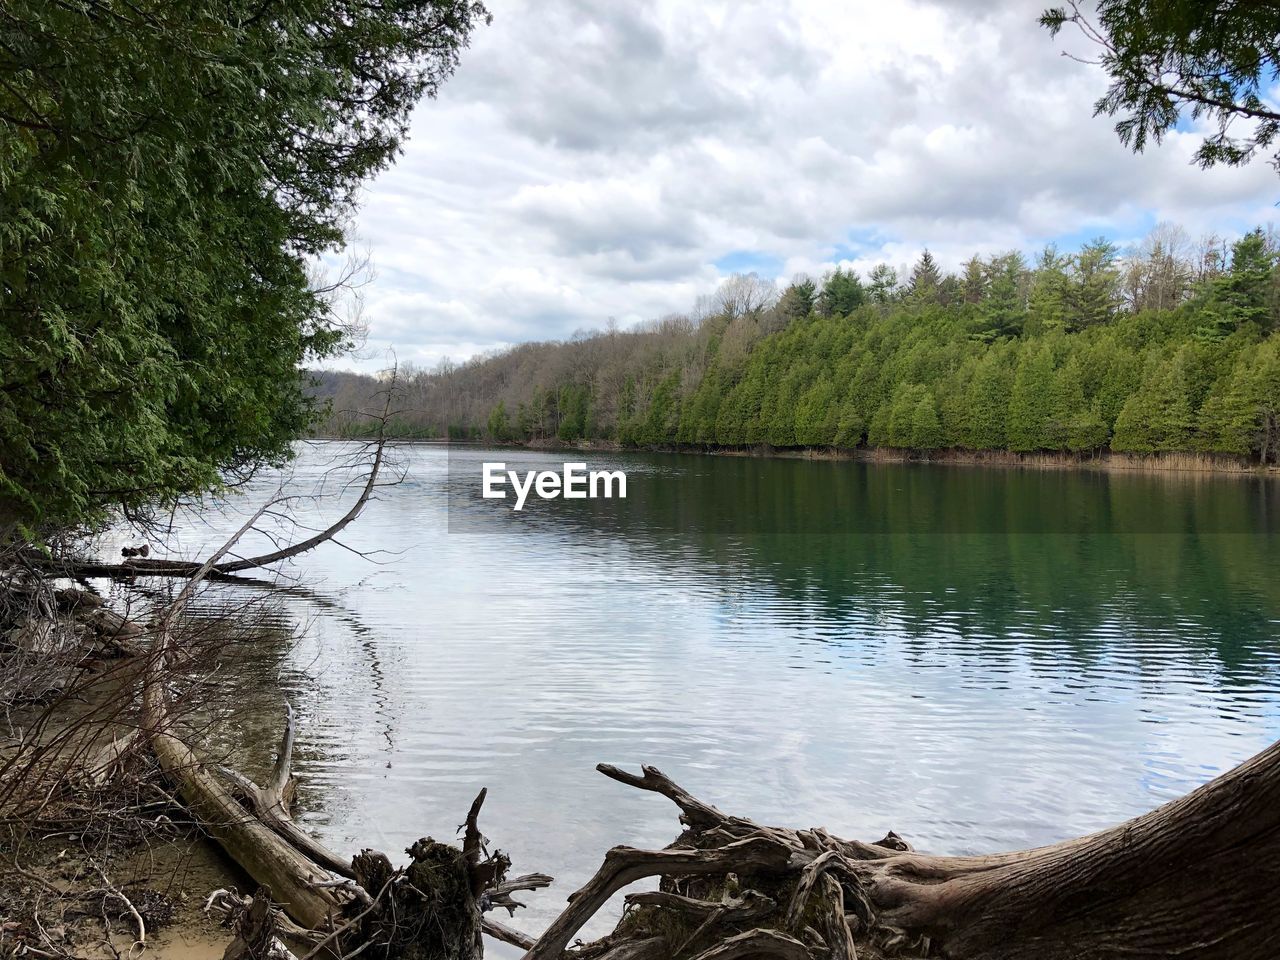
1170,348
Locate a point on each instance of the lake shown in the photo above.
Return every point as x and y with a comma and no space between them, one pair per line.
979,659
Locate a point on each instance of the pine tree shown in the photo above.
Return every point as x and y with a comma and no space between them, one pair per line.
1095,288
1049,301
1004,310
798,300
1244,293
842,293
926,280
974,282
883,285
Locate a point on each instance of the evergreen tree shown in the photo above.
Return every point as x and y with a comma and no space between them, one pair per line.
1134,432
1095,288
1031,401
1242,414
524,422
1050,297
1159,415
850,428
169,173
1143,382
499,424
1076,424
926,429
974,281
883,286
842,293
1003,311
925,283
878,429
817,415
901,418
1243,295
798,300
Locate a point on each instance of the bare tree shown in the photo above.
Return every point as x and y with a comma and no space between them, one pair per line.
745,294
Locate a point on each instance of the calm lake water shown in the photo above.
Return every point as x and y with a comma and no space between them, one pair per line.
978,659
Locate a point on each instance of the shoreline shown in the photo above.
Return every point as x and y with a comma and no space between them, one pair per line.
1105,461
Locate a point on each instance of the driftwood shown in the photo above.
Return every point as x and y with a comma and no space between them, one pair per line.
1192,879
140,564
429,909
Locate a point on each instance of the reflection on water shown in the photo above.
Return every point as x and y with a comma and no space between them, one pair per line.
986,688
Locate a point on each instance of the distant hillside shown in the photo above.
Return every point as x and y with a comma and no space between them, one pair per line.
1171,348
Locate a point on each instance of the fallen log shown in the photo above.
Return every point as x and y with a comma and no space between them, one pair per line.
431,909
144,566
1192,879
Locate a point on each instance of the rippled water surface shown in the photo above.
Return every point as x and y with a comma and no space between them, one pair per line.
978,659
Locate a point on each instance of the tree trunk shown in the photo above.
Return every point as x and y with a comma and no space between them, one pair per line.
1193,879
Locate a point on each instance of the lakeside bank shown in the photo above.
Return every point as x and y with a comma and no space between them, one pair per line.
1104,460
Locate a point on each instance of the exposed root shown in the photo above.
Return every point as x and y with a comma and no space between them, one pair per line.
731,888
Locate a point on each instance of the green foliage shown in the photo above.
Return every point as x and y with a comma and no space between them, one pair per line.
167,173
883,285
1214,60
1031,404
987,393
1244,294
926,429
817,415
573,406
1003,310
925,284
910,375
799,299
842,293
500,424
1042,358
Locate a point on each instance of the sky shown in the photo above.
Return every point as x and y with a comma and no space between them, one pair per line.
598,159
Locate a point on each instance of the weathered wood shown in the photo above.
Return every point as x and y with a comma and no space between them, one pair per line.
763,944
263,854
142,566
625,865
835,926
274,863
654,948
500,931
1190,879
255,934
749,905
270,804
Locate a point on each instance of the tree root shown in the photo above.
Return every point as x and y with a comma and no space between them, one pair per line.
1191,879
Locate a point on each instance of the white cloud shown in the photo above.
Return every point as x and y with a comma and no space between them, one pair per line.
595,159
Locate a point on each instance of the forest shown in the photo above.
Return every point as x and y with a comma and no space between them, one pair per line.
1169,347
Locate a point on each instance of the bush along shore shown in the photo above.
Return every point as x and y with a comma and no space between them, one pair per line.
1160,352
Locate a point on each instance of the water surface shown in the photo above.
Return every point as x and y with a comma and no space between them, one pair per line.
978,659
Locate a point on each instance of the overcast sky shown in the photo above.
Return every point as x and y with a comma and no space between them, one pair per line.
616,158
